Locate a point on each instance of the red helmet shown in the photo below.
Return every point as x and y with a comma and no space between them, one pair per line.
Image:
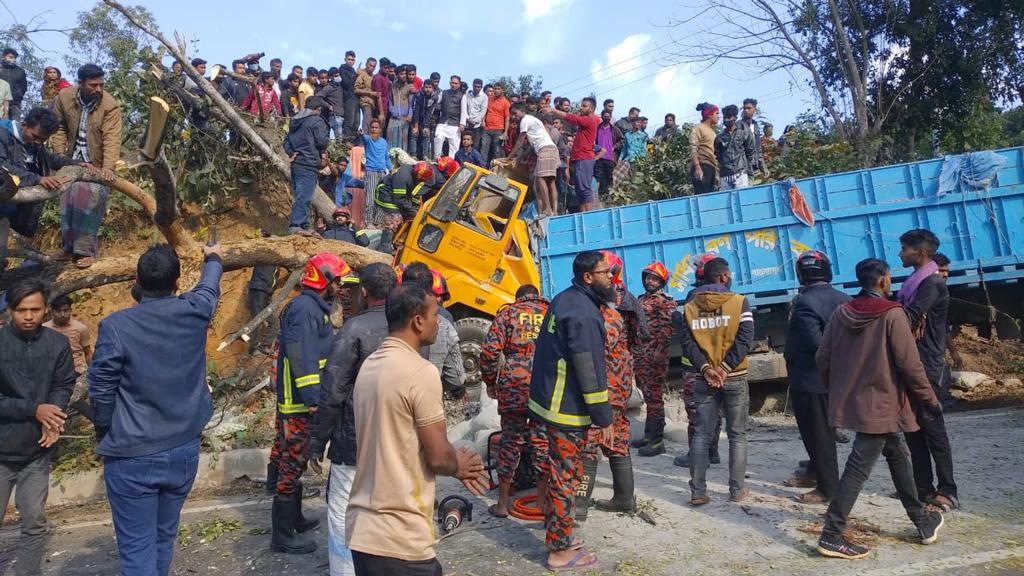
698,272
422,171
325,268
447,165
439,286
657,269
614,264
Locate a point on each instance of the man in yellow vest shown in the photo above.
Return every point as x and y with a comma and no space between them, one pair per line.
718,329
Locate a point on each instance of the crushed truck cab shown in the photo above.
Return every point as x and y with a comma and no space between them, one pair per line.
471,232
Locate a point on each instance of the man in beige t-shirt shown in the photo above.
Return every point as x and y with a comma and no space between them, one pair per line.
402,444
80,338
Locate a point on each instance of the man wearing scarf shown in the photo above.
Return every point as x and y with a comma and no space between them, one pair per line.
926,301
89,132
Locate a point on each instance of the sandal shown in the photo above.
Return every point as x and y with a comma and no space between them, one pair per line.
943,503
800,481
493,509
577,562
83,262
61,256
812,497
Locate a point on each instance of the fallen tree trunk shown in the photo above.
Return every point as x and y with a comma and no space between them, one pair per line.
322,202
283,293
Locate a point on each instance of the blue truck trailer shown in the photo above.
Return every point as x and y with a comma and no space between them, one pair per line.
979,219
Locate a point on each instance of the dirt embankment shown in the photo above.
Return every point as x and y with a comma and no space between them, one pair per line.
1002,360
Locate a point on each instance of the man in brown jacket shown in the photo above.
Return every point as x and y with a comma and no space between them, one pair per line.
869,363
89,132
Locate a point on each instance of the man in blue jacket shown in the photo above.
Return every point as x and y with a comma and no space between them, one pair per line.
569,394
812,309
308,135
304,345
147,383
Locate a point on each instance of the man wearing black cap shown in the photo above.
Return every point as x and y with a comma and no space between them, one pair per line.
14,75
308,135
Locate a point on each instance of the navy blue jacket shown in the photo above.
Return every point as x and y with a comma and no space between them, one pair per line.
361,335
308,135
304,342
569,385
147,380
811,310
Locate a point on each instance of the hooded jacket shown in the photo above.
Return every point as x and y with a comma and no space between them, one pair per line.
869,363
718,330
308,135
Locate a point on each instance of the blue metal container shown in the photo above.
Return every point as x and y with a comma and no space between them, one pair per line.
857,215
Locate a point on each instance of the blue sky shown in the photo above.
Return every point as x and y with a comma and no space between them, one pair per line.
614,49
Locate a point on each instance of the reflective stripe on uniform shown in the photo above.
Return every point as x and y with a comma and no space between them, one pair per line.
288,406
596,397
553,413
307,380
381,203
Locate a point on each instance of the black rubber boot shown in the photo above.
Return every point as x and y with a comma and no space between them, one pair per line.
641,442
271,487
303,524
284,537
623,499
586,488
657,444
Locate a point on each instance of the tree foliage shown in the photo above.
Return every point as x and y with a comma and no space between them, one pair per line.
523,84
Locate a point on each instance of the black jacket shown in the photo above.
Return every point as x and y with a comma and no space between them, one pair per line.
450,107
569,383
348,81
15,76
308,136
234,90
361,335
810,312
33,371
735,151
930,307
334,95
13,155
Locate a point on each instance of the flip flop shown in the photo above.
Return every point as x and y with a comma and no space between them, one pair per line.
493,509
576,563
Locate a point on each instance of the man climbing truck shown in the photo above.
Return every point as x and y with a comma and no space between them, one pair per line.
472,233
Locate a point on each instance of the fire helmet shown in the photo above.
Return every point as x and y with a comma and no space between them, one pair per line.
447,165
698,272
614,264
658,270
325,268
422,171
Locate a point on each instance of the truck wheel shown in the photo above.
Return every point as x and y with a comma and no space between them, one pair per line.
472,332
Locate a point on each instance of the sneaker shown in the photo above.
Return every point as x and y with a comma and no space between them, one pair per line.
699,500
838,547
929,528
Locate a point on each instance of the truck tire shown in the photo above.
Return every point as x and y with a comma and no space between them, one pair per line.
472,332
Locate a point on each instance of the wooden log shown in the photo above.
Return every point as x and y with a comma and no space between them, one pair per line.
262,316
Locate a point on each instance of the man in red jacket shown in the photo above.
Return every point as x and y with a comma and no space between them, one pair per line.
869,364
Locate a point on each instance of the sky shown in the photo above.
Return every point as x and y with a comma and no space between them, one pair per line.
613,49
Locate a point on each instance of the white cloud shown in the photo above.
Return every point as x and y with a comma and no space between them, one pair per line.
536,9
455,35
399,26
632,74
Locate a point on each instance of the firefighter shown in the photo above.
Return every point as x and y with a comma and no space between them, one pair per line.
512,337
690,379
619,369
304,343
569,394
396,197
651,357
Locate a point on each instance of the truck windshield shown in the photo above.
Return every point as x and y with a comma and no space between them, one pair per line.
446,207
489,206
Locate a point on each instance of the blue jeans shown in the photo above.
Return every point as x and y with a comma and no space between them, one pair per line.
303,186
338,127
734,396
146,494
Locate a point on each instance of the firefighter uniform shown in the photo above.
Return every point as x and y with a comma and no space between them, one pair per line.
651,359
513,336
619,367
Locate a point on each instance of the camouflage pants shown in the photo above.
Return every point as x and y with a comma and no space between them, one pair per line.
620,438
292,445
566,447
541,453
651,374
690,403
515,434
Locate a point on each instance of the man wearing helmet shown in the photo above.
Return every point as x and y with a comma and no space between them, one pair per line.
341,228
651,356
397,197
810,312
304,342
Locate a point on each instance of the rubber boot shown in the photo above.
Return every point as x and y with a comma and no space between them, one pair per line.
303,524
271,487
284,537
641,442
623,499
657,444
585,489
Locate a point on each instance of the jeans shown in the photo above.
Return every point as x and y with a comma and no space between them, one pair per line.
422,144
735,181
370,565
928,443
33,482
811,411
337,126
368,115
866,448
351,115
734,396
339,488
491,145
146,494
303,187
604,173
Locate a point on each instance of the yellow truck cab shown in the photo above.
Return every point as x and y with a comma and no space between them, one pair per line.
471,233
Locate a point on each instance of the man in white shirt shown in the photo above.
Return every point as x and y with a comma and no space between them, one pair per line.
474,108
533,132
